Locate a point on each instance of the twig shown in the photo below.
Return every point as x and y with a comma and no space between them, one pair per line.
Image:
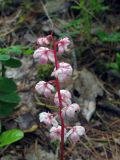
47,14
109,107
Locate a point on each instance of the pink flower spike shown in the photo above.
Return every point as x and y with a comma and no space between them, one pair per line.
71,109
44,88
63,72
55,133
44,55
63,45
43,40
65,96
75,133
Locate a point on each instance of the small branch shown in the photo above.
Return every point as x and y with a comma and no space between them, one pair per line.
47,14
109,107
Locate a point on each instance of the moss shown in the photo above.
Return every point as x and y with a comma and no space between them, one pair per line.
44,71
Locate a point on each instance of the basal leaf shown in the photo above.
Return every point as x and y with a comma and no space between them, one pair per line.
10,136
17,49
9,97
6,108
13,63
4,57
7,85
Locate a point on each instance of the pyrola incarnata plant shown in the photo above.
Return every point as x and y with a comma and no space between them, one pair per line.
62,98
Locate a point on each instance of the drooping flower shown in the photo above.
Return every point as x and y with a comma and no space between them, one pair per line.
70,110
48,119
55,133
44,55
44,88
63,72
43,40
75,133
65,96
63,45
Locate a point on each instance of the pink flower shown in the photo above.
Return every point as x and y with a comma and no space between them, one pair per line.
55,133
44,88
65,96
48,119
70,110
63,72
75,133
44,55
43,40
63,45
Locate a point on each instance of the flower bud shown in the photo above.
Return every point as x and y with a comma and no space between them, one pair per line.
63,45
44,88
46,118
43,40
75,133
70,110
44,55
63,72
65,97
55,133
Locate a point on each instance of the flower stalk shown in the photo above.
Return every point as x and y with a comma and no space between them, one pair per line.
60,102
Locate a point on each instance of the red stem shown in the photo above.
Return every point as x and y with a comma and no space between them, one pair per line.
60,102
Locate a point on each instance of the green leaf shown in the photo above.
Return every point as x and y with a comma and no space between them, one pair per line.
6,108
10,136
118,59
15,49
9,97
105,37
72,34
28,51
13,63
76,7
4,57
73,23
113,66
7,85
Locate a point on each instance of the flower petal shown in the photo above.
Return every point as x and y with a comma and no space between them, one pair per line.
43,59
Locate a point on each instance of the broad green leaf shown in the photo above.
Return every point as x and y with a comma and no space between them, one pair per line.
4,57
7,85
9,97
17,49
13,63
10,136
6,108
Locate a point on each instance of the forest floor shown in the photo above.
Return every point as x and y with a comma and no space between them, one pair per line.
102,140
